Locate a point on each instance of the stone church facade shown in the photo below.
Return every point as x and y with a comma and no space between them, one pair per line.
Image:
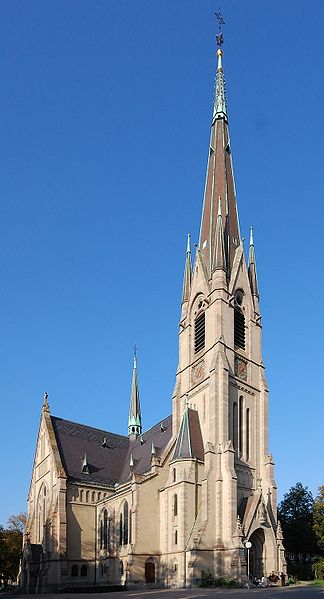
160,506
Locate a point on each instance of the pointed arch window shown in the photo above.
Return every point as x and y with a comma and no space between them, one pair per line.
247,432
74,570
125,527
125,530
235,425
104,530
121,529
199,332
241,425
175,505
239,320
41,512
84,570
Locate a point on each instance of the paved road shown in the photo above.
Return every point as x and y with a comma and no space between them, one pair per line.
299,592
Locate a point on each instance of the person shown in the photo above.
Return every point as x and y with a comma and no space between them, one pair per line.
282,579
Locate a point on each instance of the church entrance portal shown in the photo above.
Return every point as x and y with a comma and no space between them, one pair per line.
149,572
256,554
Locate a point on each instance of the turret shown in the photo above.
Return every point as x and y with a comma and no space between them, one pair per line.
134,419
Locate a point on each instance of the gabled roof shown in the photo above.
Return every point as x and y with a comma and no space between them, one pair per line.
141,448
189,442
108,464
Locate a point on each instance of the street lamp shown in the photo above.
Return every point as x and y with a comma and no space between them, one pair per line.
248,546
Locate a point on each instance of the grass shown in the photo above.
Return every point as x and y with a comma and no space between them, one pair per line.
317,583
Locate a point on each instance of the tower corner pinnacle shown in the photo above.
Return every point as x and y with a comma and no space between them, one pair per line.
187,273
252,270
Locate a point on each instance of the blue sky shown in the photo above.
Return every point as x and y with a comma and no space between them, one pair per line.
104,130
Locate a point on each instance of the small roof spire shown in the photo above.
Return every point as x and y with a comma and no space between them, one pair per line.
134,419
153,449
252,267
85,466
187,273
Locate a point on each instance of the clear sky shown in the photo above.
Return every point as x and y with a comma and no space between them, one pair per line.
105,111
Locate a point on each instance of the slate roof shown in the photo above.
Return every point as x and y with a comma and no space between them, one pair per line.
107,465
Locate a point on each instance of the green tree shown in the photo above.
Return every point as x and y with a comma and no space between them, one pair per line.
318,517
10,546
296,517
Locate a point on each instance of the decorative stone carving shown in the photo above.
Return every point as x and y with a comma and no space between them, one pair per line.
240,367
198,372
262,514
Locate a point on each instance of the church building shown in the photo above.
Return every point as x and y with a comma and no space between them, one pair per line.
161,506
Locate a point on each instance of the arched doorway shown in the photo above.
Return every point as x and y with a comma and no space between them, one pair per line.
149,571
256,553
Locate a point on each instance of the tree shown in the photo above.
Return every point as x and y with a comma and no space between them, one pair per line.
296,517
18,522
318,517
10,546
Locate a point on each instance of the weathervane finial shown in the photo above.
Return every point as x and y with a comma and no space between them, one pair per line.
219,36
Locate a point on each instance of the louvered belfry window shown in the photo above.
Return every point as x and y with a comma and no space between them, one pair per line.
239,329
200,332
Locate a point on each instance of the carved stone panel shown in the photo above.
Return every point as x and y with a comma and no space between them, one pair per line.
240,366
198,372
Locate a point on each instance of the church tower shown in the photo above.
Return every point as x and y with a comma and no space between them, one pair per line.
221,375
161,506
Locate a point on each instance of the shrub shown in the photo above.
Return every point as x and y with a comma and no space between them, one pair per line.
318,567
208,580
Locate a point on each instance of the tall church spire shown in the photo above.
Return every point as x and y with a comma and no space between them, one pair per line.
134,419
219,181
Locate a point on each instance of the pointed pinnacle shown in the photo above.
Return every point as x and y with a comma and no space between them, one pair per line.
45,403
85,465
252,267
251,236
188,244
187,274
134,418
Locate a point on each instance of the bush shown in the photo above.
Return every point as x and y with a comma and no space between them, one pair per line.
208,580
318,567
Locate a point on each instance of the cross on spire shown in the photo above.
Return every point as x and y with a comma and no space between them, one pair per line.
219,37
